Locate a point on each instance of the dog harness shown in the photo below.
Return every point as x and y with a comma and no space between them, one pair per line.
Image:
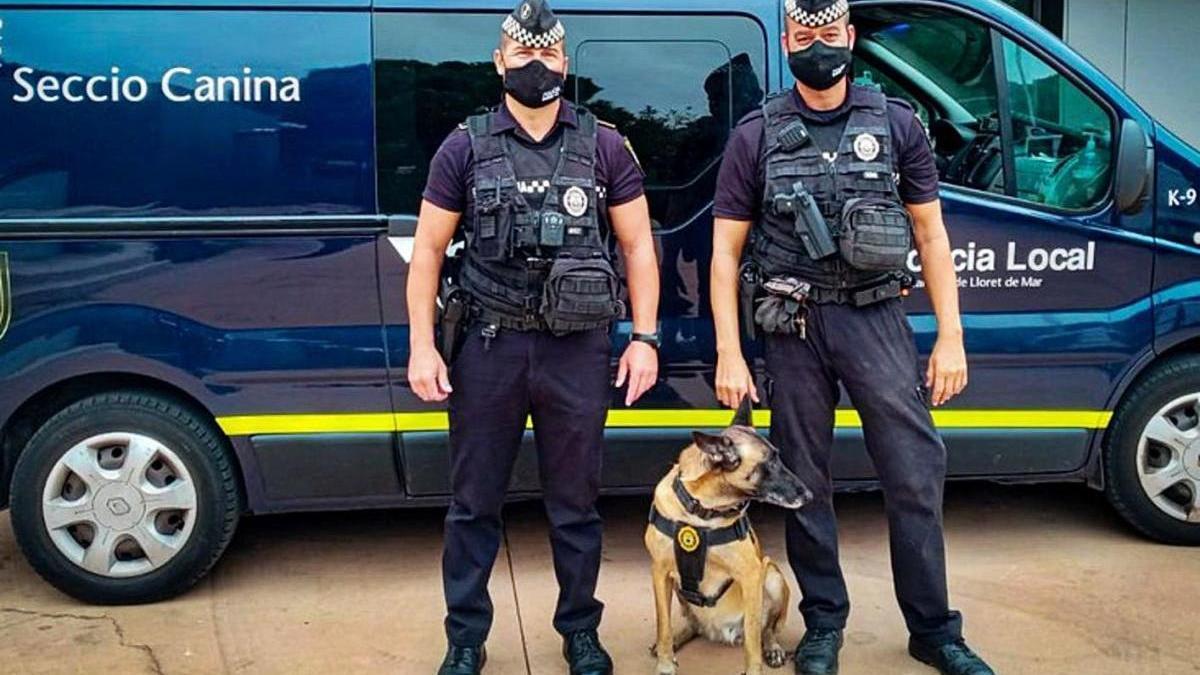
692,543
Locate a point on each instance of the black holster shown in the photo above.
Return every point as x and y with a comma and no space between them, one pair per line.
748,282
452,309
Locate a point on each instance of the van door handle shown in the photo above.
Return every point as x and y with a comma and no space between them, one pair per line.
402,226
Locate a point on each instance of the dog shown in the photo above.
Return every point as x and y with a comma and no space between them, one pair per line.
703,550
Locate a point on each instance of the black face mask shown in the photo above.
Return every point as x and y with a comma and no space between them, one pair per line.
820,66
533,84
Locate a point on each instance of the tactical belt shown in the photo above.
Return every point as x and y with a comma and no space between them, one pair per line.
862,296
508,321
691,553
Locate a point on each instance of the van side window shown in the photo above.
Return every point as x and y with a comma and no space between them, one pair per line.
676,108
1062,139
673,85
945,63
1059,150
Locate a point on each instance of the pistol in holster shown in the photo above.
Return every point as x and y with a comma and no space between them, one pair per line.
748,282
453,307
809,225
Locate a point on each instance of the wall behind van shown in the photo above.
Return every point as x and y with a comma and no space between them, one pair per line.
1147,47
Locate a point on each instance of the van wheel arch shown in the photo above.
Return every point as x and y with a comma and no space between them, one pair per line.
1175,375
39,408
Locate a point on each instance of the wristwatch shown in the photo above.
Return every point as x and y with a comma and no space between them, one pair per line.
651,339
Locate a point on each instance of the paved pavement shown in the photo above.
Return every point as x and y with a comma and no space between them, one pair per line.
1049,580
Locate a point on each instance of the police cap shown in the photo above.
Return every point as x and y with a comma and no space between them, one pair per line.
534,24
816,13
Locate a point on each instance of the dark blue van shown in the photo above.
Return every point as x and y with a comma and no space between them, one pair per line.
206,213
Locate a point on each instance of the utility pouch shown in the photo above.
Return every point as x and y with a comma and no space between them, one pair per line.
493,222
783,309
580,294
876,234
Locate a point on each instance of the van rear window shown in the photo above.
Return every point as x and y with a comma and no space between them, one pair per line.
136,113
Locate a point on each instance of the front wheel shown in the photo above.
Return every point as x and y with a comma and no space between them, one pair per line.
124,497
1152,453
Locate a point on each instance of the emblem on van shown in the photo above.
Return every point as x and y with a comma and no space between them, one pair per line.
575,201
5,295
866,147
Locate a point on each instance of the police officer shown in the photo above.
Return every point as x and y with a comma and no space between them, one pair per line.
832,181
539,189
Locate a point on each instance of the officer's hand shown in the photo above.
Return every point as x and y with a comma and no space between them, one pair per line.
639,364
947,372
734,381
428,375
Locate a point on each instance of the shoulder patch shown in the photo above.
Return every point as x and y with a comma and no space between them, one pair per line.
629,147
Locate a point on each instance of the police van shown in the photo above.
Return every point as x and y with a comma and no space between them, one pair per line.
206,214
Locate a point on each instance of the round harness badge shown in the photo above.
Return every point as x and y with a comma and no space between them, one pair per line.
866,147
689,538
575,201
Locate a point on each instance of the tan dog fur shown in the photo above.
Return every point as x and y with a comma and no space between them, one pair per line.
754,609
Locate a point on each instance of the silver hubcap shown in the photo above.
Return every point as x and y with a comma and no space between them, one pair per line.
1168,459
119,504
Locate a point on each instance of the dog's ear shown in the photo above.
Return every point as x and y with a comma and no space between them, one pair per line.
744,415
720,451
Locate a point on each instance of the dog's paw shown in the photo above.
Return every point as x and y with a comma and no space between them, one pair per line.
775,656
666,668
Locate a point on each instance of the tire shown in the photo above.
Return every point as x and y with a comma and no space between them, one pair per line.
1152,453
125,465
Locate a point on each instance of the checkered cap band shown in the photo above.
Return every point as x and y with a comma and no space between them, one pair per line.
513,29
819,18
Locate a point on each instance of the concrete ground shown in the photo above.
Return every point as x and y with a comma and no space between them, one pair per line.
1049,580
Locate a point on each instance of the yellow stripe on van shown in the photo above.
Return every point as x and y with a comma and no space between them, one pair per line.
649,419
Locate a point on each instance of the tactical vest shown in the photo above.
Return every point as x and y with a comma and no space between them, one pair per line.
530,268
863,168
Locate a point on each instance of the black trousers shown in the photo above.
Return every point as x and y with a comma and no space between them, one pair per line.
563,382
871,351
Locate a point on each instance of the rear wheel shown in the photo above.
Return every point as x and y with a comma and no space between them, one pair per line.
124,497
1152,453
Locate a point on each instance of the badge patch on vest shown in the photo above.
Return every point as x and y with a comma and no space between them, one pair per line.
688,538
575,201
866,147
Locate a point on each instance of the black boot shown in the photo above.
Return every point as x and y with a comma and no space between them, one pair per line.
463,661
585,655
951,658
817,653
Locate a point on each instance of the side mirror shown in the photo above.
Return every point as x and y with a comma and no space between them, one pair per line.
1135,168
